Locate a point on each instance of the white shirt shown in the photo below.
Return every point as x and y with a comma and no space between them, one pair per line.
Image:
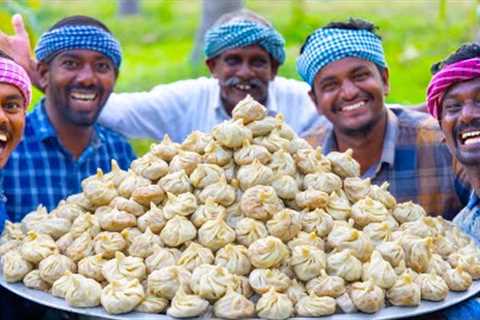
181,107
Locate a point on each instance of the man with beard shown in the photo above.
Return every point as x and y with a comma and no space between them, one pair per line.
78,64
345,66
243,52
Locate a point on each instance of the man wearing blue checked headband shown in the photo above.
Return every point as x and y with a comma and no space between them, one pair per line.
345,66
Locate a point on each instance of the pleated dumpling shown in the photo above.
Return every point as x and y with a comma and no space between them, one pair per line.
145,195
254,174
304,238
231,134
34,217
248,153
273,141
312,199
367,296
207,211
315,306
83,292
67,210
33,280
296,291
262,127
185,160
379,271
220,192
345,265
81,247
323,181
268,252
124,268
262,280
408,211
343,163
152,304
317,221
98,191
285,186
107,243
356,188
211,282
296,144
326,285
260,202
64,283
91,267
345,237
153,218
307,262
54,266
183,204
166,149
165,282
194,256
234,258
85,222
122,296
53,226
380,193
128,205
249,110
116,220
177,231
432,287
405,292
14,266
186,305
234,306
367,210
274,305
311,161
249,230
216,154
285,224
197,141
418,253
161,257
176,182
392,252
37,246
457,279
150,166
283,164
206,174
143,245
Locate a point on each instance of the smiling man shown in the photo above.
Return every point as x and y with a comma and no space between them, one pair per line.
345,66
78,64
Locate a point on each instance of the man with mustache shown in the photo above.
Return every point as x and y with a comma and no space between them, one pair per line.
78,64
345,66
243,52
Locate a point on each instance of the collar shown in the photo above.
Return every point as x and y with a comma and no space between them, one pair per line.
2,193
390,138
473,201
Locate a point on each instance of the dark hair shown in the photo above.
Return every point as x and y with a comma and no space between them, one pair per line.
79,21
4,55
466,51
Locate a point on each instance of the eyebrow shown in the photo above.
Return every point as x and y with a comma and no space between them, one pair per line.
13,97
332,77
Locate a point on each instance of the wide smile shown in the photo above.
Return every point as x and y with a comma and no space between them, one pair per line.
470,137
243,87
3,141
83,96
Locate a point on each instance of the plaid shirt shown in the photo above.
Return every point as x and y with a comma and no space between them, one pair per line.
415,161
469,218
41,171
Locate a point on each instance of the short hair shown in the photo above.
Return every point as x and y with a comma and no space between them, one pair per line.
465,52
242,15
353,24
79,21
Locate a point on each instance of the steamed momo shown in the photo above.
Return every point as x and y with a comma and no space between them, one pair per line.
54,266
260,202
234,258
194,256
274,305
210,282
165,282
186,305
15,267
234,306
122,296
267,252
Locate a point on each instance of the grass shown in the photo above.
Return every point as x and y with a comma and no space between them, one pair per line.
157,44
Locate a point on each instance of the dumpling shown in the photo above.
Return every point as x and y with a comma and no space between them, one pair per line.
130,234
186,305
124,268
296,291
307,262
285,186
234,306
98,191
304,238
53,226
326,285
423,227
345,303
176,182
315,306
378,232
9,246
185,160
215,234
166,149
249,230
339,207
128,205
177,231
260,202
80,247
285,224
344,265
34,281
254,174
197,141
391,252
150,167
367,297
83,292
356,188
206,174
79,200
379,271
268,252
418,254
37,246
234,215
248,153
262,280
298,144
262,127
273,141
220,192
53,267
234,258
145,195
208,211
152,304
380,193
68,211
116,175
443,246
432,287
165,282
408,211
153,218
183,205
317,221
216,154
312,199
210,282
311,161
343,163
161,257
457,279
91,267
122,296
116,220
85,222
282,163
366,211
323,181
194,256
231,134
345,237
241,285
438,265
34,217
469,262
143,245
63,284
405,292
249,110
107,243
274,305
14,266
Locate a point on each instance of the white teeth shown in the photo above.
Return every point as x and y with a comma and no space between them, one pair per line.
472,140
243,87
470,134
353,106
83,96
3,137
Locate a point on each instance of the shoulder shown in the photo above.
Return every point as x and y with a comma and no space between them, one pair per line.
110,136
198,84
292,85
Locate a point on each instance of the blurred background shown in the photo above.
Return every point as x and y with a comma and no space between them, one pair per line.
160,38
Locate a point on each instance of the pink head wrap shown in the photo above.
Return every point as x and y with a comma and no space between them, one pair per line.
449,75
12,73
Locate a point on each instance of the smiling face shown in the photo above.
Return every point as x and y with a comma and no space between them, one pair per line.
460,121
350,93
78,83
12,120
242,71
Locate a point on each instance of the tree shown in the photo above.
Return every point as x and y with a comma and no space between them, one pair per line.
211,11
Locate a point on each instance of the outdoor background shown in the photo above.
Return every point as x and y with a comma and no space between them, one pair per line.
158,41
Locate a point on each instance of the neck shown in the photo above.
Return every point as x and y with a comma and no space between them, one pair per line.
73,138
367,146
473,174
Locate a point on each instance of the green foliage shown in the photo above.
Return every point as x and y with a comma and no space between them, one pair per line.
157,44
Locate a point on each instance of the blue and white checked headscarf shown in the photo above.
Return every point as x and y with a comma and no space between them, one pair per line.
327,45
241,34
79,37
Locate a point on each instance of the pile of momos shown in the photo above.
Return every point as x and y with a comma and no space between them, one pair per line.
246,221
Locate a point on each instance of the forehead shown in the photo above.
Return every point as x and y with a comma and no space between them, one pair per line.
463,88
82,54
344,67
9,91
248,51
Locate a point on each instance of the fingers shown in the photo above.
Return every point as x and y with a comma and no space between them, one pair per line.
19,26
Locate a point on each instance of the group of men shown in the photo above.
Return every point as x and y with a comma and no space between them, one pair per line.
340,105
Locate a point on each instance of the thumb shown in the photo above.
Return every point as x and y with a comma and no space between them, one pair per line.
18,26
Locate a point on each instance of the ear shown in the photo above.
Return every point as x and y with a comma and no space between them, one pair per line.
386,85
42,70
211,64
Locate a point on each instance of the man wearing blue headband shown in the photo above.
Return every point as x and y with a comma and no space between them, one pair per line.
345,66
78,64
243,53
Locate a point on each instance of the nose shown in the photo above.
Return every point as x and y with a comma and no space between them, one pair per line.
245,71
470,112
349,90
86,75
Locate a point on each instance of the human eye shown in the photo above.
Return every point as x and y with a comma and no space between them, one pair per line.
328,86
259,62
69,63
361,75
12,107
103,67
232,61
452,106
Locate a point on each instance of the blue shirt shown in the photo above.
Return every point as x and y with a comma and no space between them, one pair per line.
469,218
41,171
3,211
